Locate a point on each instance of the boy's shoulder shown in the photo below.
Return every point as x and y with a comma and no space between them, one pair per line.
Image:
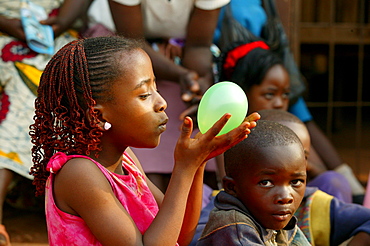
225,227
230,223
227,216
220,218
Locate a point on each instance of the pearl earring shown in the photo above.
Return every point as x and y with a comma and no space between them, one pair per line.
107,126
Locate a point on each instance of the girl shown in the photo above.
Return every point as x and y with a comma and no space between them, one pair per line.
97,97
259,72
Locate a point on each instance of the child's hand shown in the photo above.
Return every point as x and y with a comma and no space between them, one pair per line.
206,146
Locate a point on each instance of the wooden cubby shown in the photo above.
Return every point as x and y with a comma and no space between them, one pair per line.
330,40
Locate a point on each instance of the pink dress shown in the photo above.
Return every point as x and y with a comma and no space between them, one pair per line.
131,190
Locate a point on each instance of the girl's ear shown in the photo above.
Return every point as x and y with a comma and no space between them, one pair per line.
229,185
98,109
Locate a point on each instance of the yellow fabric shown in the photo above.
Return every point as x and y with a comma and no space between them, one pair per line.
30,75
12,155
320,218
215,192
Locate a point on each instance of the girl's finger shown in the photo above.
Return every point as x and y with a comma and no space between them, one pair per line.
253,117
217,127
186,128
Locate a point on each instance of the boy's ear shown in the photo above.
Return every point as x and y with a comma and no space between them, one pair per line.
229,185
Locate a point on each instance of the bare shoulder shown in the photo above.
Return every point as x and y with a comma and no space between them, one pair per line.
81,189
77,180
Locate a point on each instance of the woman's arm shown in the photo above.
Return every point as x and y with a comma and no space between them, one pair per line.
129,23
197,54
68,13
12,27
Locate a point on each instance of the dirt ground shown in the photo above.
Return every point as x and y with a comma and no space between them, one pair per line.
24,215
25,227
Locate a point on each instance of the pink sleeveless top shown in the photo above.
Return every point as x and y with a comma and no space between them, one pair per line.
131,190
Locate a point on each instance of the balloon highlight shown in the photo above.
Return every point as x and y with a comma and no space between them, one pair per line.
219,99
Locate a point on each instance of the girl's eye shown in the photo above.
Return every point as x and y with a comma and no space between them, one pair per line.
286,95
269,96
266,183
145,96
297,182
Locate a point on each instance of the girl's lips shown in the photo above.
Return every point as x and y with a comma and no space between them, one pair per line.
162,126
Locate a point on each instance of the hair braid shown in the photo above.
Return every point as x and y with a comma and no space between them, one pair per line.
77,76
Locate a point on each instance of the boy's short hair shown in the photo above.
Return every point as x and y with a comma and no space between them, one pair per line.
278,115
265,134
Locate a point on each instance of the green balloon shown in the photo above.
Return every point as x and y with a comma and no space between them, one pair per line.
219,99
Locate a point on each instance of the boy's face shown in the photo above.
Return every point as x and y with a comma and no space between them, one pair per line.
273,186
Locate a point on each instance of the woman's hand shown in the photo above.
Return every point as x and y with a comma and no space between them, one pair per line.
56,23
193,88
12,27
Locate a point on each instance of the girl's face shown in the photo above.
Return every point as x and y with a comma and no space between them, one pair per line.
273,187
273,91
137,109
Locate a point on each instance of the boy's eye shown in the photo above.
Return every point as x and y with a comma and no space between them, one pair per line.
297,182
266,183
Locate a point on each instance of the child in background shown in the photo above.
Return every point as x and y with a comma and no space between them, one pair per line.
265,78
96,98
20,69
324,219
265,183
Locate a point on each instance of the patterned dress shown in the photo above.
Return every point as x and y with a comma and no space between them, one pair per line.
20,71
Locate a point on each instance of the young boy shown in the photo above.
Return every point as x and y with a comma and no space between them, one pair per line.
264,186
324,219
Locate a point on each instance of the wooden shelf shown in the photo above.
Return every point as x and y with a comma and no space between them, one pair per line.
318,33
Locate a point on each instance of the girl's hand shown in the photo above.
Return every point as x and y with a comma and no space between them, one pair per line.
252,119
206,146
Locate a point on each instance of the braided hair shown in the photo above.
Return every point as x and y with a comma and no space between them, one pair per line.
77,76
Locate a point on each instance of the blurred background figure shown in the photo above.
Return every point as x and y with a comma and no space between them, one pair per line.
20,69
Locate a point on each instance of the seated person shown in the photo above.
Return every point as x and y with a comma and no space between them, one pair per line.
264,186
324,219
